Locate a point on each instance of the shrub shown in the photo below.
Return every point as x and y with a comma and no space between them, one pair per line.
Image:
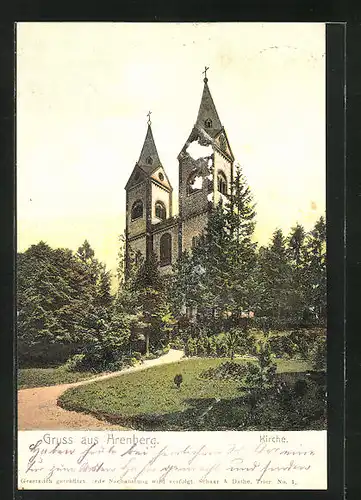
287,405
137,355
177,343
45,354
116,366
261,373
226,370
191,347
75,363
212,347
319,353
282,346
151,355
178,379
302,343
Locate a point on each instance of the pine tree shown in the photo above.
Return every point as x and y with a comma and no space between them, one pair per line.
151,293
276,275
315,267
217,275
296,240
142,298
296,251
241,222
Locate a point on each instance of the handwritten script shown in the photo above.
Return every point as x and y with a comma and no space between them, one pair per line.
171,460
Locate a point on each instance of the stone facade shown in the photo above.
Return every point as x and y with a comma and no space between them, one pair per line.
205,176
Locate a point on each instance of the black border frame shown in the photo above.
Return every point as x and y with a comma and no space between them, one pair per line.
336,37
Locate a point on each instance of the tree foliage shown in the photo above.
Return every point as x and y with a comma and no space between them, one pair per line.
62,297
143,297
292,270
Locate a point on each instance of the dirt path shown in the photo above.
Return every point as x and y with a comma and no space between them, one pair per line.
38,409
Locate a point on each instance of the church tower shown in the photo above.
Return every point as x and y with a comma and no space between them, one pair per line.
205,171
148,198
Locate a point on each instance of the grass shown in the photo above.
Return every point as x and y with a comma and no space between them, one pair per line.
39,377
149,399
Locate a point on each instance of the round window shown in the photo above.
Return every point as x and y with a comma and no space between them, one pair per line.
161,176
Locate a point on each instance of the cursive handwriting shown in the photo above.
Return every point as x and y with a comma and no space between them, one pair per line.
150,461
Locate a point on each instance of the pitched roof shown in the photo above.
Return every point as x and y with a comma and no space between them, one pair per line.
149,158
207,110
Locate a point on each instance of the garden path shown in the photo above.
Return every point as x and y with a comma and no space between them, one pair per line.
38,409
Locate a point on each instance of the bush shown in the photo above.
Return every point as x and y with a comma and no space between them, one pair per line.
261,373
302,343
75,363
213,346
319,353
282,346
166,349
151,355
178,379
226,370
84,363
137,355
116,366
45,354
287,405
177,343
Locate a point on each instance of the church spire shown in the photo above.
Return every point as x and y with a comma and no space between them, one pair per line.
208,118
149,158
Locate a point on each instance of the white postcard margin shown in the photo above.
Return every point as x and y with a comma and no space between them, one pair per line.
123,460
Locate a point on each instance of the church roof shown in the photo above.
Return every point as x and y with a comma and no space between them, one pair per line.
208,111
149,158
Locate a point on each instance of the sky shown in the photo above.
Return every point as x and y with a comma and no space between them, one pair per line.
83,94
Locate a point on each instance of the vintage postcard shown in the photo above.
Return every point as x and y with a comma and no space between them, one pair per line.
171,260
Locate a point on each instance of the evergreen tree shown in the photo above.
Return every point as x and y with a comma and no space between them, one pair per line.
240,215
297,296
217,275
315,269
276,276
155,317
296,240
142,298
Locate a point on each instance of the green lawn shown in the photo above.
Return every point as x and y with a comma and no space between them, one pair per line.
38,377
149,400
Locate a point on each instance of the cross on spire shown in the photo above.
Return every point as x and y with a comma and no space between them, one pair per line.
148,115
205,74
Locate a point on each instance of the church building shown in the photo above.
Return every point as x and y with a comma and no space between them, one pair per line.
206,165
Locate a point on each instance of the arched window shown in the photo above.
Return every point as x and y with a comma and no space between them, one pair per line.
194,182
137,210
160,210
208,123
165,249
222,183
